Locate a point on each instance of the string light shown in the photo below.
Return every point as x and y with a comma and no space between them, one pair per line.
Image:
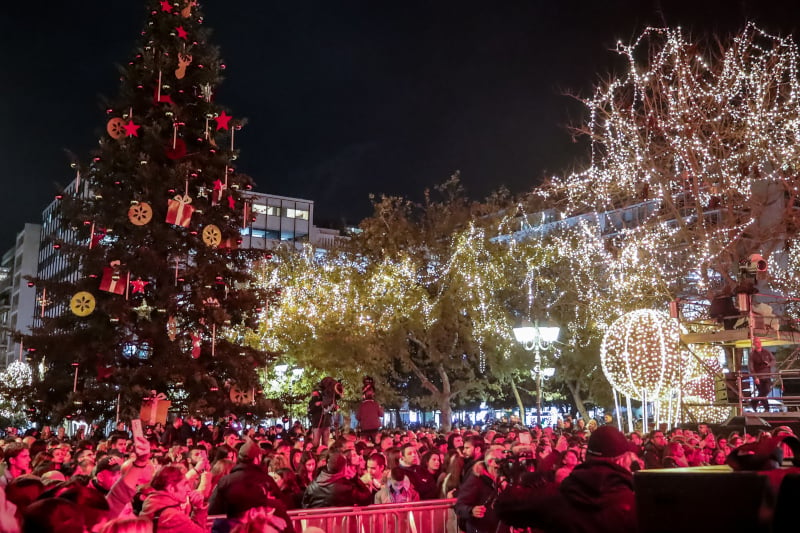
641,356
324,296
18,374
686,146
688,151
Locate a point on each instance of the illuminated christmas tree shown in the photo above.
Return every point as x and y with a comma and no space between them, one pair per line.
152,278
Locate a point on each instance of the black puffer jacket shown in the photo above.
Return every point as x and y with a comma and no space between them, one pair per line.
247,486
478,490
596,498
335,490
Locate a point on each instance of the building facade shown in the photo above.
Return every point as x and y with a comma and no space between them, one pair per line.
18,299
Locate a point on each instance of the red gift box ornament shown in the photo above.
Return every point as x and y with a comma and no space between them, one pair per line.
179,210
114,280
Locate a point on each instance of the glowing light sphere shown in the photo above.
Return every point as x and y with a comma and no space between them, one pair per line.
18,374
641,355
701,371
698,406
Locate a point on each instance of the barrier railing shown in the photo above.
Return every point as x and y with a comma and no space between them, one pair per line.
432,516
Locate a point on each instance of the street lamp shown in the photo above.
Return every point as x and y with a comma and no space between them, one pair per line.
536,338
296,374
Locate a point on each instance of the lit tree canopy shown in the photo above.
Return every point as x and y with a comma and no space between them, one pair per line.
694,154
415,298
694,158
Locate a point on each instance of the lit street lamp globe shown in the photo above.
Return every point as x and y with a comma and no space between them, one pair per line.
641,355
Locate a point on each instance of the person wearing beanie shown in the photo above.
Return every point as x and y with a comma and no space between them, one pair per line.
369,416
597,497
247,486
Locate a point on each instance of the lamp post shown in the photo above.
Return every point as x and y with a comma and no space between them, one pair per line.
536,338
296,374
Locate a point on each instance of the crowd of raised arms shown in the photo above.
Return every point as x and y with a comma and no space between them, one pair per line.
178,475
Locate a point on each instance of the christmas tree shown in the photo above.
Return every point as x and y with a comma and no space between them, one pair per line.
152,281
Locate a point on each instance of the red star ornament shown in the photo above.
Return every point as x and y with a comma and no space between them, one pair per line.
223,120
166,7
139,285
131,129
231,202
97,237
182,33
219,187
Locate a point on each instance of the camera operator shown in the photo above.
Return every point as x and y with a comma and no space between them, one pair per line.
474,507
320,420
597,497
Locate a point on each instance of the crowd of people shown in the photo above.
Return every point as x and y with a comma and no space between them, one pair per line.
175,477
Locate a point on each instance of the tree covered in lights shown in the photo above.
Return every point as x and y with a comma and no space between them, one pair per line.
152,277
695,152
563,278
694,161
415,300
318,322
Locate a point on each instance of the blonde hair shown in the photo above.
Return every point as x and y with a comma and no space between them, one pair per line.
128,525
277,462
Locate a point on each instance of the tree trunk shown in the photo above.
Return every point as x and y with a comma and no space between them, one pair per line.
519,401
446,419
575,389
444,400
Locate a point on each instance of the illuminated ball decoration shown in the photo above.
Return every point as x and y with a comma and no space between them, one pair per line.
701,371
641,355
18,374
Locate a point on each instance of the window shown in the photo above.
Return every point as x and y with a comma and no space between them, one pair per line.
261,209
297,213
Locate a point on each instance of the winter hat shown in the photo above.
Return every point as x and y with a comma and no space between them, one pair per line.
608,441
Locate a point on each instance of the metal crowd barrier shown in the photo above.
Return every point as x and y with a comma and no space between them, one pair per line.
431,516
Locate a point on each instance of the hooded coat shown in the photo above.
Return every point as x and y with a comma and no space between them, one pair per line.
478,490
596,498
172,519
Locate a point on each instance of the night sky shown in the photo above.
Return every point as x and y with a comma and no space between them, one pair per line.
343,98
